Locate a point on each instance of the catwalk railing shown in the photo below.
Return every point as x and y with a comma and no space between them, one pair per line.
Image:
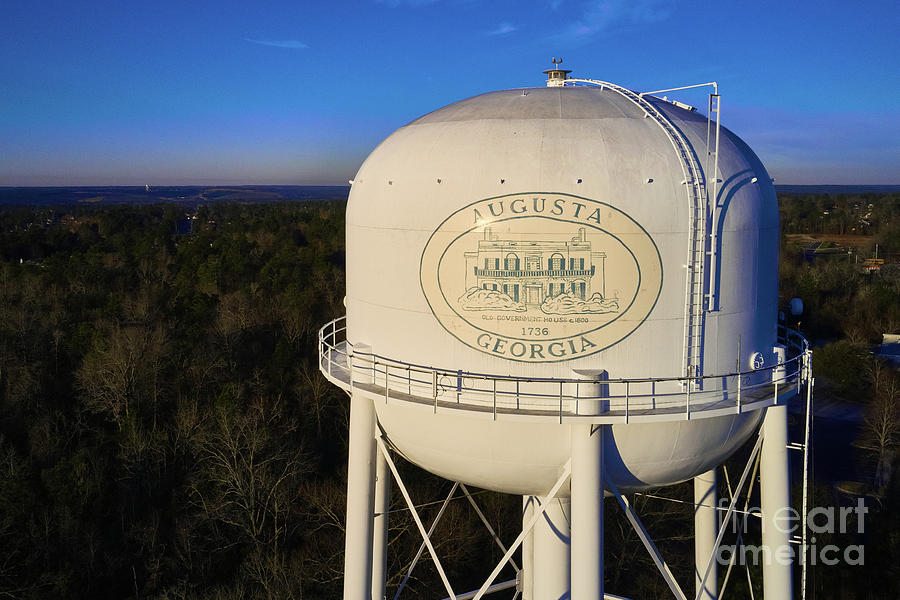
566,399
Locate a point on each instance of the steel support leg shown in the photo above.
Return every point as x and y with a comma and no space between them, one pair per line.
587,489
360,500
527,574
775,496
587,511
538,513
380,533
426,535
705,530
551,551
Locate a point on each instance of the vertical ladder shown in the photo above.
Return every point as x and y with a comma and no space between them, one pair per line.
801,540
698,202
712,156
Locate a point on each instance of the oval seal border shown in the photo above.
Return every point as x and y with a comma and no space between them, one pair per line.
573,320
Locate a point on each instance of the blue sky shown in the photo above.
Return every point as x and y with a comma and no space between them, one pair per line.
230,92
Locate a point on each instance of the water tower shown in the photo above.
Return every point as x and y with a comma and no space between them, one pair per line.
562,292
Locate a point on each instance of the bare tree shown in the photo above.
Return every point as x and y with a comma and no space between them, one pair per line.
124,371
881,423
319,390
295,320
323,549
251,475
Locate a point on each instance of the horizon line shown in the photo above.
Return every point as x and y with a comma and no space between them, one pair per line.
234,185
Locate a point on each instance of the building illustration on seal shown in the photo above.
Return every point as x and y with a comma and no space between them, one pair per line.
555,275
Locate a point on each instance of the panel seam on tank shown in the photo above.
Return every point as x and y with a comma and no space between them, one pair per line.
380,228
731,427
675,442
618,107
360,301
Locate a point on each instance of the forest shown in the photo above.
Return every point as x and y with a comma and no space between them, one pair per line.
165,432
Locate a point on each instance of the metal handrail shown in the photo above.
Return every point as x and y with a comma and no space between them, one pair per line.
395,379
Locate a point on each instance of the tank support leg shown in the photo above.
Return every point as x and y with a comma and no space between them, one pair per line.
587,488
705,531
587,511
360,499
775,500
527,574
537,514
380,536
551,550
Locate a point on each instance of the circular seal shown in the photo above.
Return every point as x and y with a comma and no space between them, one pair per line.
540,277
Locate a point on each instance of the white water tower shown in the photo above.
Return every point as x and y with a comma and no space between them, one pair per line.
561,292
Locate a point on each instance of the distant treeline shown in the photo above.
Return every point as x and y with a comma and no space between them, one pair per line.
180,195
876,215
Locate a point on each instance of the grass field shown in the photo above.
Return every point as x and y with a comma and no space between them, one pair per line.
845,241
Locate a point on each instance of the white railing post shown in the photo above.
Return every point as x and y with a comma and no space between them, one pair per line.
495,398
560,401
687,396
434,378
330,360
627,398
350,369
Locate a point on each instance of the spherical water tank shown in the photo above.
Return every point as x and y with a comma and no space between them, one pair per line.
539,234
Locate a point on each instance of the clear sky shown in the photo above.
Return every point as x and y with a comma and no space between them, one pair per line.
299,92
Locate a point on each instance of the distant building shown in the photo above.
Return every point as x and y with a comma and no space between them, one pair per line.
872,265
889,348
532,271
183,226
